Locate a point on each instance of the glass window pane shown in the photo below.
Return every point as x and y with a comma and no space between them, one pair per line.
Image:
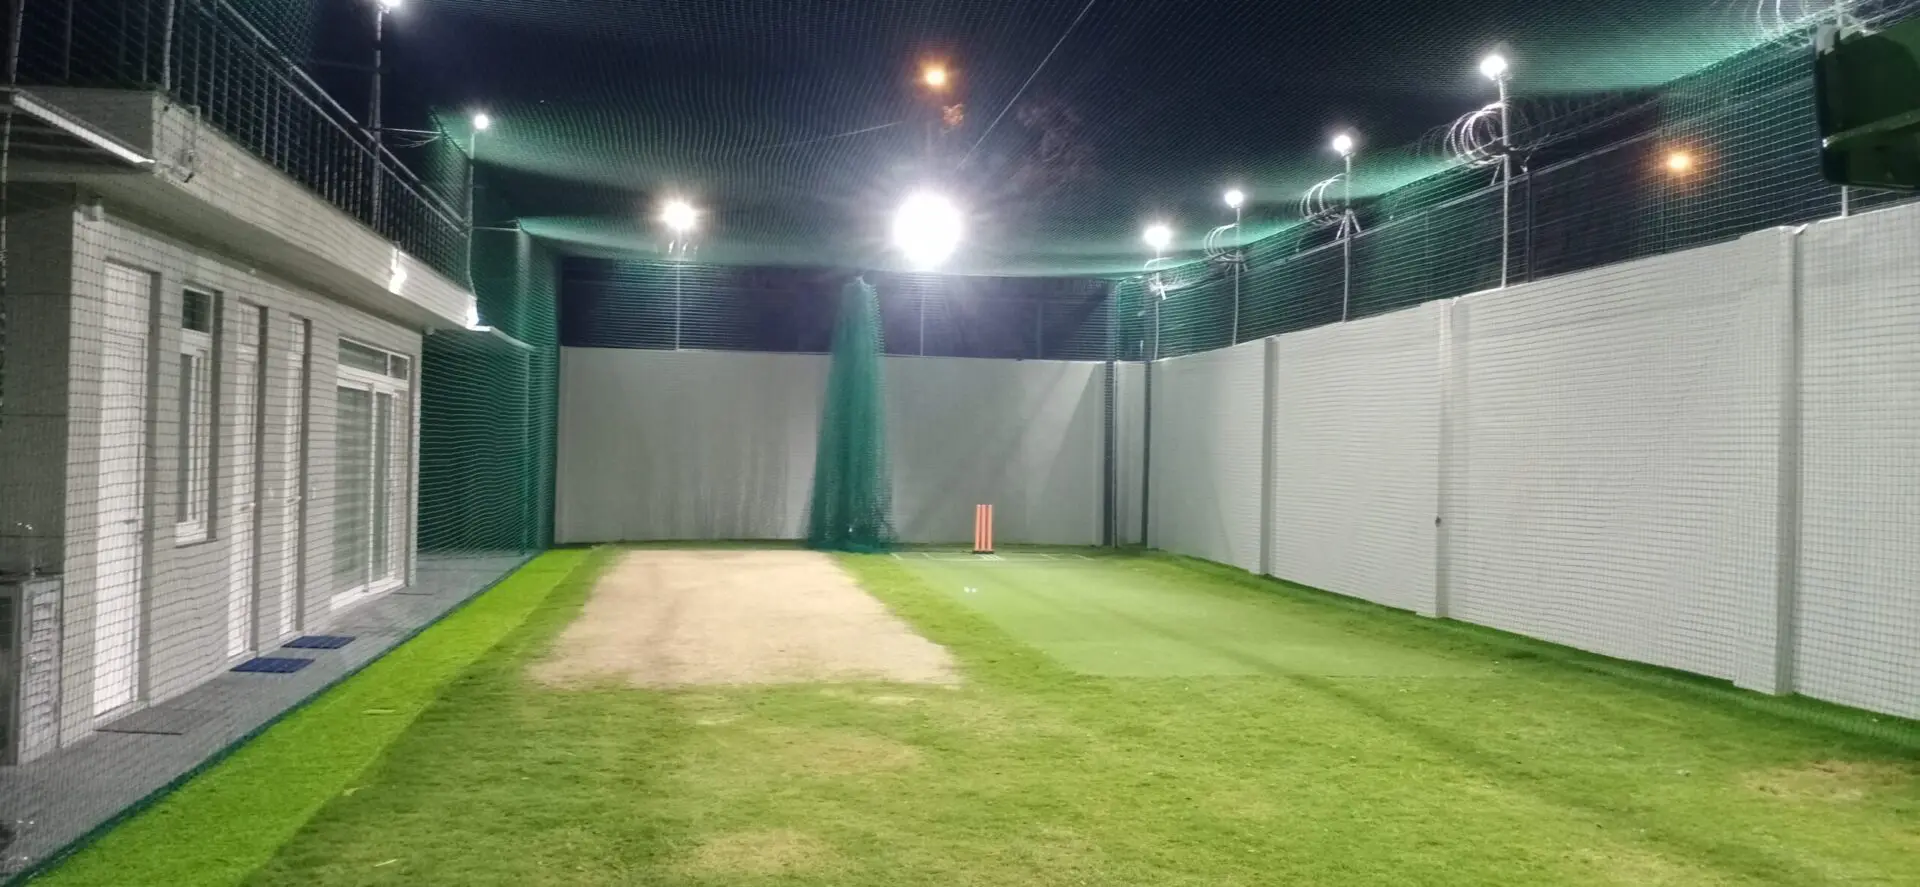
382,477
360,357
353,489
184,508
196,312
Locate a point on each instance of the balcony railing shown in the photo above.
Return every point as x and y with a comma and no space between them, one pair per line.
207,55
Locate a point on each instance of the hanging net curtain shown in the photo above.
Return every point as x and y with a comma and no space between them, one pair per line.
852,505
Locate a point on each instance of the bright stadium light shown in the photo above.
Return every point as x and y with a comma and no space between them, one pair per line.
390,5
927,229
1343,144
935,76
1158,236
1679,163
1236,198
1494,67
679,216
481,122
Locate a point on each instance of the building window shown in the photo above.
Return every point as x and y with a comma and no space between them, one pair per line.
194,518
371,483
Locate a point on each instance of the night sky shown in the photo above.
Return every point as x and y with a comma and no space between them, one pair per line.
1147,110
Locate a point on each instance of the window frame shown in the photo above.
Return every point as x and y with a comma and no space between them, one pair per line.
399,446
197,437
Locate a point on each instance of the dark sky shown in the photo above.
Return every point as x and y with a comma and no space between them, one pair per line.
1147,110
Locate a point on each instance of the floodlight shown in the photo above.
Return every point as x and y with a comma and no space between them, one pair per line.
481,122
1679,162
679,216
927,229
1158,236
1494,66
1236,198
935,76
1343,144
390,5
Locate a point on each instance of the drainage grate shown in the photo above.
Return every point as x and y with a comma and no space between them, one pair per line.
272,665
319,642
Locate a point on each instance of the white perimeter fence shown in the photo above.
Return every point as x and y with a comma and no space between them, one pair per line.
1706,460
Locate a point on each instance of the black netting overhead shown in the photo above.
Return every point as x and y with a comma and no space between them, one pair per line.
1063,125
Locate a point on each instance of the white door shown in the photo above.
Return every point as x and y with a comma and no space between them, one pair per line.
119,562
243,446
294,479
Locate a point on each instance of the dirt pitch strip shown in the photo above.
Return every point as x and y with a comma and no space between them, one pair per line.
694,618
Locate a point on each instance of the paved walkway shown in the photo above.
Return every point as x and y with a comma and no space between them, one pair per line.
48,803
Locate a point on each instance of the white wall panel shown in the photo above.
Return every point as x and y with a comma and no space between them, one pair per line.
1207,437
685,445
1357,457
720,445
1130,432
1859,595
1027,437
1614,464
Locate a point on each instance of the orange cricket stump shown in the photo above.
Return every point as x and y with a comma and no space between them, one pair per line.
982,529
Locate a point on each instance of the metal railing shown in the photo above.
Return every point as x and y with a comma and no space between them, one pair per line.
205,54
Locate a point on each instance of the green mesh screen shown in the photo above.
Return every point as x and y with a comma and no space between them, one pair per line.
488,406
852,504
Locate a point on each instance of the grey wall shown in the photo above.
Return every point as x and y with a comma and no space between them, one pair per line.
720,445
1707,460
1207,435
1026,436
685,444
187,586
1356,457
1858,632
33,416
1130,433
1613,480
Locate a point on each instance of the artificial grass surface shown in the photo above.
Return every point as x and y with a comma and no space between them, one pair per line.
229,820
1471,760
1108,616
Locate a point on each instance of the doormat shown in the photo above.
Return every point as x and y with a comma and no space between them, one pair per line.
160,722
319,642
272,665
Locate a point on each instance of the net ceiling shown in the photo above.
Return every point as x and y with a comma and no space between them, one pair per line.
797,127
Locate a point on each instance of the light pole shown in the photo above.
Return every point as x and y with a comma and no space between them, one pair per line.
480,123
937,80
680,217
1343,144
1494,67
1158,236
380,10
1236,198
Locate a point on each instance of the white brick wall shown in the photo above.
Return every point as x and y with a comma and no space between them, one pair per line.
187,586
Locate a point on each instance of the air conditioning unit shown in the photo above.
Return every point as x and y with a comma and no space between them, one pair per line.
29,667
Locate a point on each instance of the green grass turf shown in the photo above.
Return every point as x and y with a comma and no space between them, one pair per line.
1226,757
230,819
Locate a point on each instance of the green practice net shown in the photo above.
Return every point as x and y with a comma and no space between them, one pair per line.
852,506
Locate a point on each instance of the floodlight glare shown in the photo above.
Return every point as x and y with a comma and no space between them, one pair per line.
927,229
1235,198
935,76
1494,66
680,216
481,122
1343,144
390,5
1157,236
1679,162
